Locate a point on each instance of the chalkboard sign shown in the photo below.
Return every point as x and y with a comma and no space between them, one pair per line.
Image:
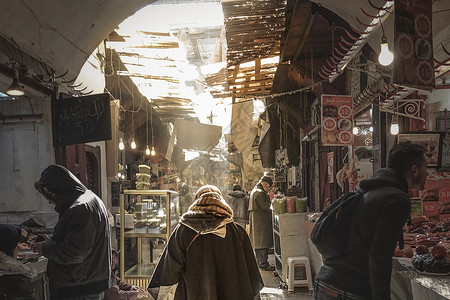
81,119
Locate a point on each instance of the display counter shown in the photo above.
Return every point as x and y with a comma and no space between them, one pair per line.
409,284
147,216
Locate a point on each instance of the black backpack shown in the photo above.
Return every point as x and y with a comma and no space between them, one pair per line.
331,231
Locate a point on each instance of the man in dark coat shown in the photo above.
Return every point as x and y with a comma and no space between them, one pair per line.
364,270
79,253
238,201
261,233
207,256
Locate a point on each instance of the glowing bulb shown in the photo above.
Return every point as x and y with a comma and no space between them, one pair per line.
123,176
394,128
147,151
133,144
355,130
386,57
153,151
371,129
178,179
121,145
119,175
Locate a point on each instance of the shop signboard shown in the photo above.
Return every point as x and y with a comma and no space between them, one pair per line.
413,39
337,125
436,196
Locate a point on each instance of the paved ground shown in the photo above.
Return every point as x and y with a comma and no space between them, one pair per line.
273,287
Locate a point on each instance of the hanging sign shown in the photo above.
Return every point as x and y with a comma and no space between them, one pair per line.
330,165
337,114
81,119
413,50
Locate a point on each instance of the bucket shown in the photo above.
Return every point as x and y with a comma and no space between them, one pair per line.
290,205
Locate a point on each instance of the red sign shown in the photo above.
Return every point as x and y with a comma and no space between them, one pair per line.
337,125
444,194
430,208
413,63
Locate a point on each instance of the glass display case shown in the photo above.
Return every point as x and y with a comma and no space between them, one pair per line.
148,216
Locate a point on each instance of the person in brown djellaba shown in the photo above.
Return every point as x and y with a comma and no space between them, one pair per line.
207,256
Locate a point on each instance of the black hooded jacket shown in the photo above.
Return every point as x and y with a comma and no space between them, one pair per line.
365,268
79,253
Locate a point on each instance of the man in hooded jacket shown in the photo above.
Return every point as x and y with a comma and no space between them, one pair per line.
207,256
364,270
79,252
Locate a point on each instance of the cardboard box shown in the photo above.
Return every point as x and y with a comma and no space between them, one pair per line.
309,227
129,221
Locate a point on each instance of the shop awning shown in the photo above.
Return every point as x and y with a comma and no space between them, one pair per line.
196,136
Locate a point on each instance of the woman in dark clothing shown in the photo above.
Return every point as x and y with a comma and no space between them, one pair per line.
364,270
207,256
15,277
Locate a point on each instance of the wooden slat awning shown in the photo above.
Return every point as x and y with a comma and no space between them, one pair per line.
253,33
253,28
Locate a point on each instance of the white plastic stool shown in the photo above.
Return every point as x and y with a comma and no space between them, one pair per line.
291,282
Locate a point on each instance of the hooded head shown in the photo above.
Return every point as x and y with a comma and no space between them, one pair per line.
237,187
9,236
59,186
209,199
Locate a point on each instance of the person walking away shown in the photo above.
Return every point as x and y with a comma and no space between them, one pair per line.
238,201
79,252
120,290
364,270
207,256
15,277
260,219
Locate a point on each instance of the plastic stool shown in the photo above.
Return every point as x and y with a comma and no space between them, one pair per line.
291,282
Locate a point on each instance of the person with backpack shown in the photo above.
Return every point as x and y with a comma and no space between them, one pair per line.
363,269
238,201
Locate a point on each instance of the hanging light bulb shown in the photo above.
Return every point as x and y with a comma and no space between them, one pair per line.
355,130
133,144
147,151
121,145
178,179
394,128
153,151
15,89
386,57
